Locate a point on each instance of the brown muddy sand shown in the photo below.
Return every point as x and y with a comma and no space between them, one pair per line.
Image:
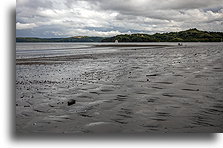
163,89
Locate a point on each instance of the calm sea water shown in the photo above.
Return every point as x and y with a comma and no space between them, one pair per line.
28,50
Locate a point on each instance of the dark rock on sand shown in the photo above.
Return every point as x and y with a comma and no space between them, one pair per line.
71,102
152,75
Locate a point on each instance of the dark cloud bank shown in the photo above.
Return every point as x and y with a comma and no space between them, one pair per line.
62,18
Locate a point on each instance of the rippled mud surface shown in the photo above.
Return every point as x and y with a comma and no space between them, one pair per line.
120,89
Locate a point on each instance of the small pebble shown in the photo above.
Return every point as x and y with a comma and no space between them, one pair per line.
71,102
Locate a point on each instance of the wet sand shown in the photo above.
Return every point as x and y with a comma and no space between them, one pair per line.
152,89
132,45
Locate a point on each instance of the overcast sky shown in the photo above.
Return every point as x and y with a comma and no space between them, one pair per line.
65,18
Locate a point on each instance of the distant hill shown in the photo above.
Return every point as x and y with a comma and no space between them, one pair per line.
191,35
70,39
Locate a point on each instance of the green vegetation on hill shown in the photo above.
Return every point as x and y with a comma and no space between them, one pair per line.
191,35
70,39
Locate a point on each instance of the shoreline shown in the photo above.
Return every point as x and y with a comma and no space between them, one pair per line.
143,91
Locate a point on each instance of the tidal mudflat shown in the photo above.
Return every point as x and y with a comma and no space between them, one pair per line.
119,88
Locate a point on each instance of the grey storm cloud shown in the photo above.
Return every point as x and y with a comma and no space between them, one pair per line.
61,18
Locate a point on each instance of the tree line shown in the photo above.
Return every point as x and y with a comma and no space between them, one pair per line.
191,35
